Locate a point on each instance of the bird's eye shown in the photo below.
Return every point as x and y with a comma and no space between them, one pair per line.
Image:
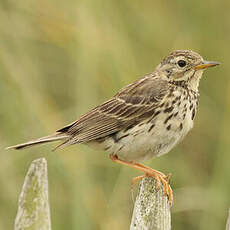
181,63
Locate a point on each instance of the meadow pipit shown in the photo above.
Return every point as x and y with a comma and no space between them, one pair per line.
144,119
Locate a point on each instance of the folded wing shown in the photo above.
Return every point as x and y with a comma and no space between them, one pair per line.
132,104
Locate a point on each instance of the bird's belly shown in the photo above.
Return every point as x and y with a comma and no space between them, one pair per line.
153,144
147,140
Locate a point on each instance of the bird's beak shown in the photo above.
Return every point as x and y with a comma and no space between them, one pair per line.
206,64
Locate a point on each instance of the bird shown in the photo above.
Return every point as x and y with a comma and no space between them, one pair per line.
145,119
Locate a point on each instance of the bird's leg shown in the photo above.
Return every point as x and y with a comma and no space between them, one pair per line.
149,172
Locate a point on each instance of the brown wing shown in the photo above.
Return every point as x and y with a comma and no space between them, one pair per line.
132,104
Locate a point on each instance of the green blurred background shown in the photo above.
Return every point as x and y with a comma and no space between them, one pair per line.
58,59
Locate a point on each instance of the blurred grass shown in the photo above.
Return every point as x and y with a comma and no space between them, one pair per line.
58,59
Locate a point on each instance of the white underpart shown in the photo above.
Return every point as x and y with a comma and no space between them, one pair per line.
158,141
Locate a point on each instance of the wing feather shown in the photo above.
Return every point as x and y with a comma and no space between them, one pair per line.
133,103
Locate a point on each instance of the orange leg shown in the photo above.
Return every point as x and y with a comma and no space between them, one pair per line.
149,172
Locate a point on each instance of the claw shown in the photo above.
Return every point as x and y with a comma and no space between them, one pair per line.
170,195
166,187
158,182
134,181
167,178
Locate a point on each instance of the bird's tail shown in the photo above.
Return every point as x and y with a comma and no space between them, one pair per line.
42,140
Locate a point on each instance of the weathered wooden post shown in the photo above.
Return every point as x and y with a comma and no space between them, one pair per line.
33,205
151,208
228,221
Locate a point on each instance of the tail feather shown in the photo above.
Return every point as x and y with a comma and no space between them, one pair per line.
42,140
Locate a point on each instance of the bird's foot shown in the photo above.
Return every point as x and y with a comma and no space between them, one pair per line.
149,172
160,179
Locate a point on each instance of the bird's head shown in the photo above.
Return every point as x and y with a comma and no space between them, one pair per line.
185,66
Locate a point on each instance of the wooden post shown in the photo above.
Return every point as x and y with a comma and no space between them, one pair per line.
33,206
228,221
151,208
